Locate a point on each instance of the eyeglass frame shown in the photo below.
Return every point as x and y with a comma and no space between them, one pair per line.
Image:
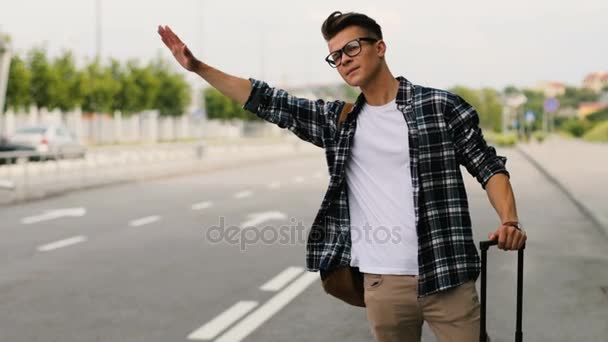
343,52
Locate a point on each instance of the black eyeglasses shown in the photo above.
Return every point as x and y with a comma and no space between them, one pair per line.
351,49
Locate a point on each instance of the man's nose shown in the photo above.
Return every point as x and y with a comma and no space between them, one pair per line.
346,60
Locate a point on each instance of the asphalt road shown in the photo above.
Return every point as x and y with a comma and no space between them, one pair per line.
145,262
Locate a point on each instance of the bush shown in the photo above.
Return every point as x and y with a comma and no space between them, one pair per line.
540,136
598,133
599,116
576,127
503,140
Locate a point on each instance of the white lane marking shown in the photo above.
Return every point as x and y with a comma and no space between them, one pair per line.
258,218
243,194
222,321
270,308
202,205
274,185
298,179
62,243
55,214
279,281
144,220
7,184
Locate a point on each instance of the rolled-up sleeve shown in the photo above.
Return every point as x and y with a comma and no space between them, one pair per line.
472,150
307,119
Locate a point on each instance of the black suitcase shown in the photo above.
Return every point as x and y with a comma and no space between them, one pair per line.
484,246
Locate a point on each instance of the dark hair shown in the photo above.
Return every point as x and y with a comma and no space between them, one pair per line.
338,21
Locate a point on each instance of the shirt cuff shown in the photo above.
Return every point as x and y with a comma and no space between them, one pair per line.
255,96
492,167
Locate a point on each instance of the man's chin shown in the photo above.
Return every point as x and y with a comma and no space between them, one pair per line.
353,81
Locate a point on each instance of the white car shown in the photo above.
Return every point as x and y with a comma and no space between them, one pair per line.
54,139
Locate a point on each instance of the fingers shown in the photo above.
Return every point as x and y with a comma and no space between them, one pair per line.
522,239
168,36
516,239
164,36
509,238
174,38
511,235
502,237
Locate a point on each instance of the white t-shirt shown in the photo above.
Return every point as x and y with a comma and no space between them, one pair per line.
380,194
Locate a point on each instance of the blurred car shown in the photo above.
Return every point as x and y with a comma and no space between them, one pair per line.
53,139
6,146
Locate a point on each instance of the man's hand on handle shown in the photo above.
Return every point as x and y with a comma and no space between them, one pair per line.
509,237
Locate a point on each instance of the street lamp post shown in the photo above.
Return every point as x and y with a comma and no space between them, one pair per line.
98,31
5,63
515,103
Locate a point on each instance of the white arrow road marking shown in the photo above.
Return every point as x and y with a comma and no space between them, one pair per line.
221,322
202,205
270,308
258,218
274,185
62,243
318,175
55,214
243,194
144,220
298,179
278,282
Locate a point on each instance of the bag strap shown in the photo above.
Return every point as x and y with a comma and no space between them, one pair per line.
345,110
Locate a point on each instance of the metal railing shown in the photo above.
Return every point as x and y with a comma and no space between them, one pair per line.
26,175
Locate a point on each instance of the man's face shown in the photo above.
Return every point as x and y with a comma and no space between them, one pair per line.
357,70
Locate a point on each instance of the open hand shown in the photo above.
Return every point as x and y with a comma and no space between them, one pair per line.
179,50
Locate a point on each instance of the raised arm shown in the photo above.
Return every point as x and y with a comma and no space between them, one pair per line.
312,121
234,87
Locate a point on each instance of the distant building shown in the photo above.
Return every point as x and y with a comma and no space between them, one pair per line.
586,108
551,88
596,81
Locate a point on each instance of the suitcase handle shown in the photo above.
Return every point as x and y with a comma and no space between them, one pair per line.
484,246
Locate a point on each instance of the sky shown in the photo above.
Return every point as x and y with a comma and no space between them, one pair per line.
476,43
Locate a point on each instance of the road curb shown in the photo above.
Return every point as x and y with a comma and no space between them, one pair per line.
597,218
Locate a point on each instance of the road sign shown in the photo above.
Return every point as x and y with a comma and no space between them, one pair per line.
551,105
530,116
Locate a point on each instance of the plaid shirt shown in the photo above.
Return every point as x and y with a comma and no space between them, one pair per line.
443,134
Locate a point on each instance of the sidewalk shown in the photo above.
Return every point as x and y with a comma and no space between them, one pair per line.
580,168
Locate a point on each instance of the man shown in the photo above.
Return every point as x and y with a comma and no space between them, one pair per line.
396,205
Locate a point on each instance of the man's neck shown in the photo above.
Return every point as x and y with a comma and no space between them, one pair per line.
381,89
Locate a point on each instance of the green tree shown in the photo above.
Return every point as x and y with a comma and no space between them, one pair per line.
491,109
99,88
19,83
66,92
174,94
572,97
511,90
221,107
43,78
149,84
469,95
486,102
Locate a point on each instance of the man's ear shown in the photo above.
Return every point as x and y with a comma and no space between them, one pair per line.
381,48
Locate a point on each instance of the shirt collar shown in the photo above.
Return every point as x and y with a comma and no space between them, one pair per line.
404,95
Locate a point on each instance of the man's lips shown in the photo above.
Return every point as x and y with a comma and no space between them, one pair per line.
351,70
